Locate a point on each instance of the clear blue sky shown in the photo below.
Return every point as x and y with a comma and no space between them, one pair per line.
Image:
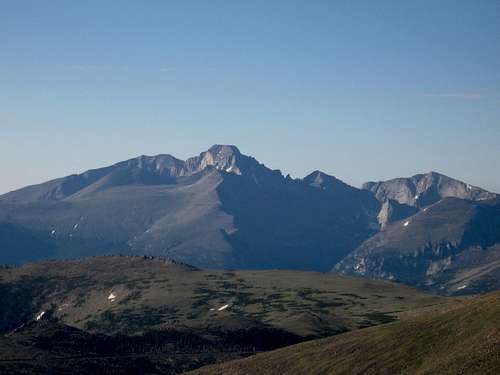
364,90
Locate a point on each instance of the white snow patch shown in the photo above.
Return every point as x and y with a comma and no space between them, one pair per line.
53,232
63,306
425,209
462,287
40,315
229,169
223,307
469,187
75,226
417,196
406,223
111,297
212,309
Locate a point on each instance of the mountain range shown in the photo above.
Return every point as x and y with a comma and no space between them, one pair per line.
223,209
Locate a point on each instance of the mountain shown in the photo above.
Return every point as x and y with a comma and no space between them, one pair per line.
133,295
422,190
464,340
218,209
450,246
223,209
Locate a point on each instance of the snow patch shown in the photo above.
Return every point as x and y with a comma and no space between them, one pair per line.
75,226
406,223
417,196
40,315
469,187
53,232
111,297
223,307
462,287
63,306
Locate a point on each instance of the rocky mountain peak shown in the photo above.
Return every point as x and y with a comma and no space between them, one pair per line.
321,179
324,181
224,150
222,157
162,164
422,190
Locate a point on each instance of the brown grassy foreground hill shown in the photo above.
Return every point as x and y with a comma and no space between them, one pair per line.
463,340
131,295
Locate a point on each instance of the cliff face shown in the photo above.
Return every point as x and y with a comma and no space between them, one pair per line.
422,190
452,246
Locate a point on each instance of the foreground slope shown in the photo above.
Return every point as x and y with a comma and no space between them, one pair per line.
464,340
52,348
132,295
221,209
451,246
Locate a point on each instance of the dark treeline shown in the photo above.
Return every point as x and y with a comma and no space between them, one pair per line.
49,347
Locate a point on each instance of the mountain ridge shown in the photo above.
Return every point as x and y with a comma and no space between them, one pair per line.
224,209
421,190
220,209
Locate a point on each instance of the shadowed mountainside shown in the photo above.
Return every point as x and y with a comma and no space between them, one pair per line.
219,209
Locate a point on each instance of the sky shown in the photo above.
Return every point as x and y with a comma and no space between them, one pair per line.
363,90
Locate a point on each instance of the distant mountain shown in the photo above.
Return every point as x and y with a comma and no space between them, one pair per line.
452,245
218,209
143,170
223,209
424,189
463,340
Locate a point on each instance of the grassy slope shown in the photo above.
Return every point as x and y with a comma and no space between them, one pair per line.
463,340
151,293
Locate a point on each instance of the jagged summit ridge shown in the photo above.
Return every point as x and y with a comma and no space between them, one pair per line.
322,180
142,170
422,190
222,157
